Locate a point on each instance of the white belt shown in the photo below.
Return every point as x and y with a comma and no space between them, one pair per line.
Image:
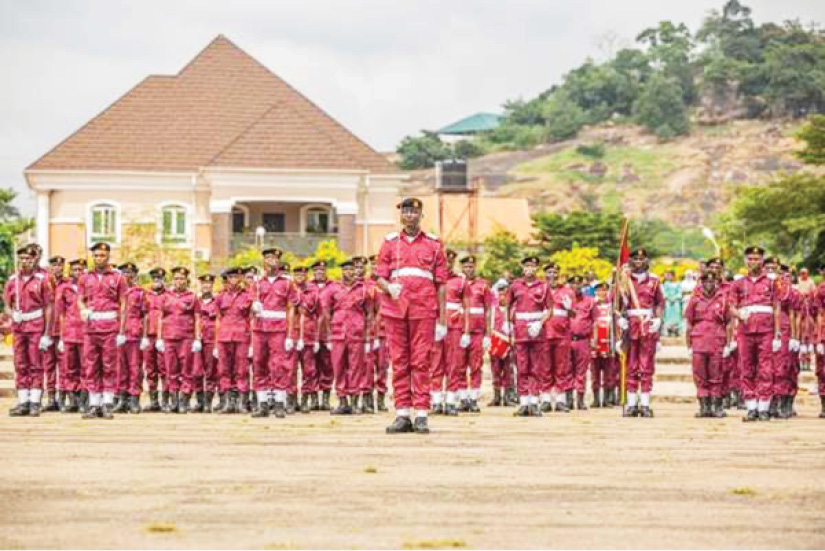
758,309
529,316
103,316
476,311
33,315
452,306
560,312
640,312
412,272
272,314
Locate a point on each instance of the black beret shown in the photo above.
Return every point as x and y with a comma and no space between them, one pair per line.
469,259
57,259
534,259
131,266
755,250
180,269
102,245
209,278
272,250
410,202
641,252
157,272
319,264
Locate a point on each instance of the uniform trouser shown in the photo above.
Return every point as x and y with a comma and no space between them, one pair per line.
820,373
292,362
368,381
782,384
232,366
454,360
602,375
793,383
707,374
581,358
381,359
756,365
730,372
558,373
641,363
438,366
324,372
501,371
206,368
51,361
465,364
100,364
179,365
270,361
28,366
154,367
70,366
349,366
411,343
129,369
309,376
531,363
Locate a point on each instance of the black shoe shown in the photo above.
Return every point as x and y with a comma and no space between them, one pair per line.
20,410
355,406
261,411
305,404
718,408
420,426
228,400
382,406
251,400
580,405
207,402
631,411
464,407
534,410
51,402
122,404
279,410
596,403
751,416
70,406
199,402
569,400
325,405
522,411
510,397
646,412
134,404
343,407
496,401
164,401
314,403
786,407
183,403
546,407
703,408
34,409
563,407
368,404
773,410
764,416
291,404
438,409
92,412
223,397
154,405
822,402
726,402
83,402
243,404
106,411
400,425
451,410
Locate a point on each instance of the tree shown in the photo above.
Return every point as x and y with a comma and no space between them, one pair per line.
557,232
813,134
12,227
670,46
502,251
422,151
466,149
660,108
564,116
796,78
581,261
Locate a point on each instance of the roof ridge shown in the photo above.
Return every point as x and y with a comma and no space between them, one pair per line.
243,131
218,38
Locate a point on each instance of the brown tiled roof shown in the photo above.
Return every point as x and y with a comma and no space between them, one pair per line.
222,109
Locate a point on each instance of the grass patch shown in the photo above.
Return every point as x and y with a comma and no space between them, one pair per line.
161,528
446,543
371,469
743,491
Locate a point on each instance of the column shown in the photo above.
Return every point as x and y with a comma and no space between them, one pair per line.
42,222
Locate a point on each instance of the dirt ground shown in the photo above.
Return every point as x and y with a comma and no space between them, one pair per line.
583,480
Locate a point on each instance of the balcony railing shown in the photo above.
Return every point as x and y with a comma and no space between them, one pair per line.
300,245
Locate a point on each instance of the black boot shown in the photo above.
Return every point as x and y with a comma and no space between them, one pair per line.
569,400
291,402
171,403
534,410
314,404
439,409
719,408
252,400
751,416
164,401
703,408
597,403
305,407
369,404
121,404
183,402
546,407
243,403
564,407
645,411
207,401
474,406
34,409
420,426
464,406
106,411
228,402
580,405
773,411
262,410
510,397
382,406
154,405
496,401
134,404
325,405
199,403
355,406
116,402
279,410
450,410
71,404
83,402
522,411
92,412
51,402
726,401
631,411
822,402
343,407
223,398
400,425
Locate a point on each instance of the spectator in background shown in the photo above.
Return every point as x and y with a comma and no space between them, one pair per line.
673,305
590,288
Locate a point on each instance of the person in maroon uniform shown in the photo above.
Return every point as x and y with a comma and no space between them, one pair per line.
234,306
752,301
501,366
133,331
411,269
51,356
367,370
604,378
178,339
527,300
708,333
453,353
556,320
154,369
642,307
101,294
28,298
323,359
307,315
584,319
478,304
819,339
439,359
380,354
206,361
784,359
70,337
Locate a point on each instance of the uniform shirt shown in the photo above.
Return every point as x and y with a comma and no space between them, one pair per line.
102,292
758,291
309,305
377,320
499,317
584,317
527,302
420,266
454,301
601,312
708,318
557,325
480,299
208,308
348,307
649,292
66,307
154,301
323,287
276,294
35,293
179,309
55,283
784,293
234,307
136,308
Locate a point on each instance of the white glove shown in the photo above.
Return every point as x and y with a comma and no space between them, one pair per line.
465,340
733,345
776,345
655,325
197,346
61,347
257,306
120,340
215,353
486,343
726,351
534,328
316,347
820,348
505,328
376,343
159,346
84,314
690,351
567,303
17,317
440,332
289,344
793,345
144,344
45,343
744,315
250,353
803,349
367,347
299,346
622,323
658,346
394,290
328,345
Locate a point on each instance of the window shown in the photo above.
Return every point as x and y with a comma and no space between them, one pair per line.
103,223
237,222
317,220
174,224
274,222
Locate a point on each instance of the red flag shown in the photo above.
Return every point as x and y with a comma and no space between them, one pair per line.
624,246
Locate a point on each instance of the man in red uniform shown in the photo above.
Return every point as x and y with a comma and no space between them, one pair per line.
51,356
439,359
819,339
380,354
527,300
153,359
556,320
478,305
323,359
133,330
347,307
100,298
783,360
178,339
206,361
501,367
453,353
752,301
367,379
604,380
708,333
28,298
70,339
307,314
234,305
585,315
411,268
642,306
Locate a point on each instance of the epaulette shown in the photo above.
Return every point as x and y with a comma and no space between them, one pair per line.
432,236
391,236
39,275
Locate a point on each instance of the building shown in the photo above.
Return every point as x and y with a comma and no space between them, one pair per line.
469,127
199,160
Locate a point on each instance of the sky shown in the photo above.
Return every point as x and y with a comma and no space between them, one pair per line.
384,69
